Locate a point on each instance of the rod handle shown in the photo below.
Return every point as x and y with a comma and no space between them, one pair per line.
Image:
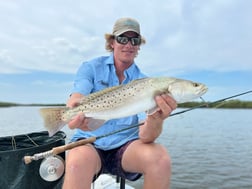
60,149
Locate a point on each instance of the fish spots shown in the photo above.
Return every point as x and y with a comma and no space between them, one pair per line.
123,100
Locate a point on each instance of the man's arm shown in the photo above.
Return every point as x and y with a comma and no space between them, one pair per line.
152,127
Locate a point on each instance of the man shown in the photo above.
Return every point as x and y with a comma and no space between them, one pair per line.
130,153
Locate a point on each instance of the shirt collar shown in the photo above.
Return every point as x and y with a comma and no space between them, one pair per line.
110,59
128,72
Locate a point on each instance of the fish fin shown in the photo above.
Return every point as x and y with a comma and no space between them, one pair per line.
94,124
53,119
152,110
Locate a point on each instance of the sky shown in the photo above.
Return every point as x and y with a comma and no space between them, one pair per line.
42,44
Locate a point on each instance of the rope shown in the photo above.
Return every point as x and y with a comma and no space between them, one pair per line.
32,140
13,143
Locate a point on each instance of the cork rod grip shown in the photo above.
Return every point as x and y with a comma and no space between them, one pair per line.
60,149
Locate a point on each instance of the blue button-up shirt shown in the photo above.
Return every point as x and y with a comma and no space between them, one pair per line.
99,74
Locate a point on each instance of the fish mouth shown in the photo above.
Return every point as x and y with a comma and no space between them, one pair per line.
203,90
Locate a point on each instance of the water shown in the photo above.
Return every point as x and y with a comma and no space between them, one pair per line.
210,148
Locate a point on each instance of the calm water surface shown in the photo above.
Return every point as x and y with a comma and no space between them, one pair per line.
210,148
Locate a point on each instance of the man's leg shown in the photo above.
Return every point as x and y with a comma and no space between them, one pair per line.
82,163
152,160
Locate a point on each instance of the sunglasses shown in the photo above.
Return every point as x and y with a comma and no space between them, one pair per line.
124,40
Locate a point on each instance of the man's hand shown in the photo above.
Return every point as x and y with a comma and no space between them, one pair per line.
78,121
152,127
166,104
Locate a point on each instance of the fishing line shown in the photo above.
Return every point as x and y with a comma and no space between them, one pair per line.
63,148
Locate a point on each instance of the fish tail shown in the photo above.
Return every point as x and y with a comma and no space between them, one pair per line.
53,119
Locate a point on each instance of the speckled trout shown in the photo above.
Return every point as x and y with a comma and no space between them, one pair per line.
122,101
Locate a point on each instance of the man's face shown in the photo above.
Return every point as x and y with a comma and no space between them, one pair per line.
125,52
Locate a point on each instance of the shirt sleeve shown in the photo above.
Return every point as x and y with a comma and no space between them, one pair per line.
83,82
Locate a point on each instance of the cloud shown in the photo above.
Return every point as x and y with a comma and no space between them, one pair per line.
186,35
205,36
8,65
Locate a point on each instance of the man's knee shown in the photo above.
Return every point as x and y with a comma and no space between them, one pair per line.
159,159
82,156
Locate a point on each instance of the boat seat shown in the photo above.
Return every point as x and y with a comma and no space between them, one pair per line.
109,181
121,181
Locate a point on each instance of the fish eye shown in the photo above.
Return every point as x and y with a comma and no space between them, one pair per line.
195,84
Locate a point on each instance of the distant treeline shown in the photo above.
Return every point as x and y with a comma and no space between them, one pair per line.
10,104
225,104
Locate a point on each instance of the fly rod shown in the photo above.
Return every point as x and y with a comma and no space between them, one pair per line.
57,150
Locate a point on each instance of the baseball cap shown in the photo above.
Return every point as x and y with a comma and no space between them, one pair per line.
123,25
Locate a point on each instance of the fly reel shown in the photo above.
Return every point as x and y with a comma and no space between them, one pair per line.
52,168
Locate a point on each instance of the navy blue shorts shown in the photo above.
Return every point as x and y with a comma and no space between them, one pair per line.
111,163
